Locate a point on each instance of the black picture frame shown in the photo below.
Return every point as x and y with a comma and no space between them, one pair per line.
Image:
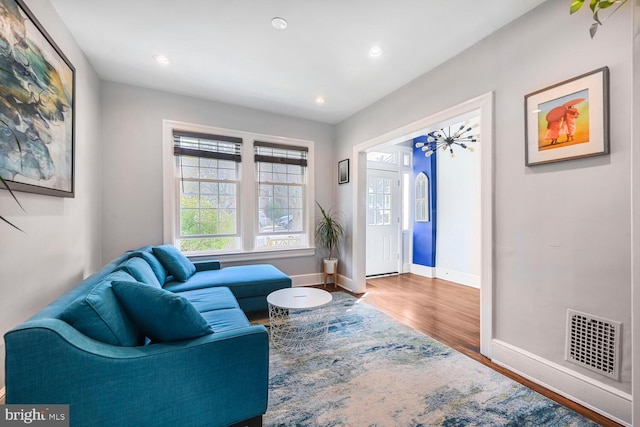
37,107
568,120
343,171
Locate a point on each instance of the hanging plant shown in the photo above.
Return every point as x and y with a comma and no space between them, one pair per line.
596,6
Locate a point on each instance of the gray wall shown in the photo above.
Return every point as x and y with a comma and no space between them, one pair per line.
61,243
636,211
562,231
132,160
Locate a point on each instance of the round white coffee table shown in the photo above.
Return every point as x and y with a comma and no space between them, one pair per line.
298,318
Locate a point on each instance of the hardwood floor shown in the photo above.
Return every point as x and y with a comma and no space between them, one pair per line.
449,313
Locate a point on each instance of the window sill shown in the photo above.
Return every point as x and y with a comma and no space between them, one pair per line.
255,256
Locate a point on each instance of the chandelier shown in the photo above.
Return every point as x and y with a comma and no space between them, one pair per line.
445,139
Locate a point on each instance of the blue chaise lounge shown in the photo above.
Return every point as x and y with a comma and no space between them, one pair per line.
151,339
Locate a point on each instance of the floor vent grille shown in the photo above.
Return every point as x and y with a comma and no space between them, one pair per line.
593,343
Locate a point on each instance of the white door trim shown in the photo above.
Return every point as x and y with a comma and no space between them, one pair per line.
484,103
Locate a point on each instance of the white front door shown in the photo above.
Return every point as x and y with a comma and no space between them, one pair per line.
383,190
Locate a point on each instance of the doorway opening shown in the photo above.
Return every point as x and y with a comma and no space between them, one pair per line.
410,200
483,104
388,235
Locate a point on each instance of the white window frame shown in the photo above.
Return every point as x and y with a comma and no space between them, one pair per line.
247,225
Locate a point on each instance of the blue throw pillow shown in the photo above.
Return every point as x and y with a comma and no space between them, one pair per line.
98,315
161,315
175,262
155,264
140,270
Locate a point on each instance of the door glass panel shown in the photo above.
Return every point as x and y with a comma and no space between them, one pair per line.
379,201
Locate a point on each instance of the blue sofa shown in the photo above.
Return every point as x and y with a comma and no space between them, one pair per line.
149,340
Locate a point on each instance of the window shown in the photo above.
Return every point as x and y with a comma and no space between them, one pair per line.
406,201
207,184
281,173
238,195
379,201
382,157
422,198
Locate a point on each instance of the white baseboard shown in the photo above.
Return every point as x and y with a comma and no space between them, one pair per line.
318,279
451,275
423,270
461,278
588,392
307,279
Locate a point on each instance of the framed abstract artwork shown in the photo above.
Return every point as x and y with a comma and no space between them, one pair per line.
569,120
37,94
343,171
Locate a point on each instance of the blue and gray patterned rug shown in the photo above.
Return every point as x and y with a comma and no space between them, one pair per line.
374,371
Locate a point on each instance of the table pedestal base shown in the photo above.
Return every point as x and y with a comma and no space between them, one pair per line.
298,330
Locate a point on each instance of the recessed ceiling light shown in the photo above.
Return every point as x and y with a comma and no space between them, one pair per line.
320,100
279,23
375,51
161,59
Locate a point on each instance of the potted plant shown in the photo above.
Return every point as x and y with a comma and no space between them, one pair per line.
329,232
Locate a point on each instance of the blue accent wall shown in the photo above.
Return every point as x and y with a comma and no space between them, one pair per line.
424,233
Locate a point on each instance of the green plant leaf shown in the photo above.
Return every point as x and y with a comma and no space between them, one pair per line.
13,225
329,231
6,186
620,4
575,6
4,183
596,6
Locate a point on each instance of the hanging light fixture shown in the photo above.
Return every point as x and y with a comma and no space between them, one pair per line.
445,139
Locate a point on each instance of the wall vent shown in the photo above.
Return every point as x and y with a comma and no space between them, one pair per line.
593,343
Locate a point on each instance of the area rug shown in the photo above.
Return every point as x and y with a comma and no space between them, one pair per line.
374,371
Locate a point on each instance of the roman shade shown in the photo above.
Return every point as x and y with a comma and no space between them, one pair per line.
269,152
208,146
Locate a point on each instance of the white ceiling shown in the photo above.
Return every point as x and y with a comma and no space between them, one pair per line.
228,51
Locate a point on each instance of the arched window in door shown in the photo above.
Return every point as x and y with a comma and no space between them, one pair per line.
422,197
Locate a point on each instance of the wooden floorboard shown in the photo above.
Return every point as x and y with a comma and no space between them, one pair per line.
449,313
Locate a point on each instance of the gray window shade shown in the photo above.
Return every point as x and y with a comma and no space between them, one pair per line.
209,146
269,152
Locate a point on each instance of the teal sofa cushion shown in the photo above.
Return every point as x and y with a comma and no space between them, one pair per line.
98,315
210,299
161,315
146,254
174,261
245,281
226,320
140,270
